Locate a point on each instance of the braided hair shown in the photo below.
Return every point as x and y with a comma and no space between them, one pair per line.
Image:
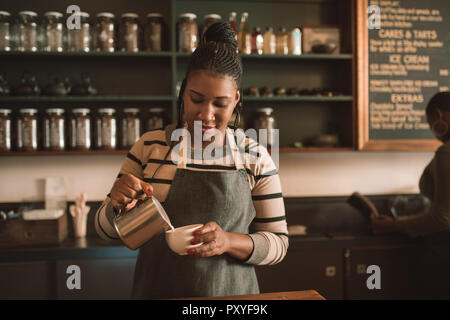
217,52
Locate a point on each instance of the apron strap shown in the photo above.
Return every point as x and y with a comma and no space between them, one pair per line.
230,139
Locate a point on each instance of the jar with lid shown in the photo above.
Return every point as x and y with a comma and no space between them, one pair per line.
27,31
266,122
5,31
187,32
210,19
5,130
79,39
104,32
155,118
54,130
80,129
27,131
154,32
106,129
295,41
131,127
129,32
282,42
53,31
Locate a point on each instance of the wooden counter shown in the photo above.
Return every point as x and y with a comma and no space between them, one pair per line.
288,295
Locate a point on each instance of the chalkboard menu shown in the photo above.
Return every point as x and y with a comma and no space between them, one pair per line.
408,62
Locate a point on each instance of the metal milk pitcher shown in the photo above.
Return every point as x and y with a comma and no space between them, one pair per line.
146,220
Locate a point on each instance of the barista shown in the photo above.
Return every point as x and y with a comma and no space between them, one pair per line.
229,199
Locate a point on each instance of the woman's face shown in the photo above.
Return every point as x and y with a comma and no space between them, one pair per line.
211,99
444,118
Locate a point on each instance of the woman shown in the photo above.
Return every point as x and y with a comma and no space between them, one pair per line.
226,198
434,223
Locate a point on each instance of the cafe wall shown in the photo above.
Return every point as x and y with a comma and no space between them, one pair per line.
306,174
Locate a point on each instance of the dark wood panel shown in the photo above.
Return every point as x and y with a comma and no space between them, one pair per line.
100,279
26,280
305,270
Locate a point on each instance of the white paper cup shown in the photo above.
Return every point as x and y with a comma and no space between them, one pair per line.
179,239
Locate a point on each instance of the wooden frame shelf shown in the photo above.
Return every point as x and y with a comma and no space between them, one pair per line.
63,99
124,152
138,75
142,54
308,56
63,153
300,98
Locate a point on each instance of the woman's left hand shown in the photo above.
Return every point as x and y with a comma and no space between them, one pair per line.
383,224
215,241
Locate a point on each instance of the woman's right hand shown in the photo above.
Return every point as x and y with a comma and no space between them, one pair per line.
127,190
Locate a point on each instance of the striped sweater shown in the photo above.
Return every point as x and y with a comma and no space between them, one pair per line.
269,228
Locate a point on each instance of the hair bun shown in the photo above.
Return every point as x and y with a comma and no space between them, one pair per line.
220,32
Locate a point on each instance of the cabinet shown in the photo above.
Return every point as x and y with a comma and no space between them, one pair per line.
147,79
304,270
100,279
26,280
398,275
110,278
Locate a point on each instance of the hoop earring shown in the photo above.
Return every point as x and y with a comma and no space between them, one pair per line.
181,104
237,120
440,128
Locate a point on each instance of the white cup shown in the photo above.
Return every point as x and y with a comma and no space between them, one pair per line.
179,239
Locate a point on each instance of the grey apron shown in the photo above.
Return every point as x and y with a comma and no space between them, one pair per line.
200,197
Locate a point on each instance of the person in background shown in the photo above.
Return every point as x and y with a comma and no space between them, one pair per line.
433,224
229,200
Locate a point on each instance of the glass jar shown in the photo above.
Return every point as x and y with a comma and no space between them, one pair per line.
27,31
54,133
5,130
106,129
187,32
104,32
131,127
265,120
155,118
27,131
80,39
295,41
282,42
154,32
53,32
80,129
5,31
209,20
129,32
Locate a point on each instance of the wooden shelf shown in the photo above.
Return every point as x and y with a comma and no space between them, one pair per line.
63,153
168,54
124,152
143,54
63,99
315,149
306,56
301,98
